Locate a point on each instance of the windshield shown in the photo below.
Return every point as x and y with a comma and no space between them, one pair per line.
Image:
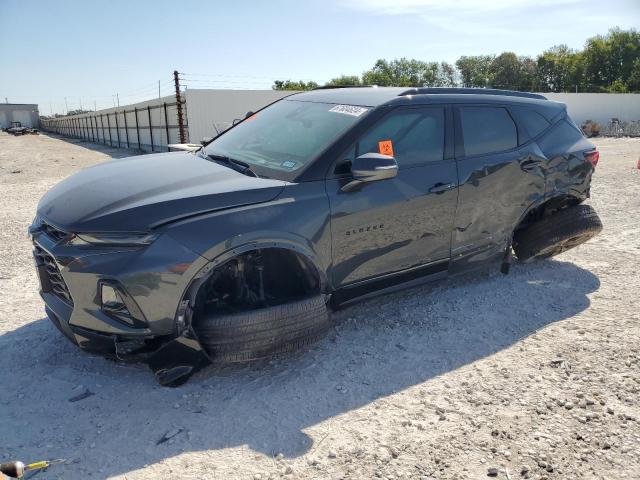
286,136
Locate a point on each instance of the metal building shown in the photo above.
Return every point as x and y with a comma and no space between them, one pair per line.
25,113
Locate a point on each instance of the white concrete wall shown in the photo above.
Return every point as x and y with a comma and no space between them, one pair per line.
599,107
108,126
208,110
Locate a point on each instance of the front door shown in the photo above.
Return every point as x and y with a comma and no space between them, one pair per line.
403,222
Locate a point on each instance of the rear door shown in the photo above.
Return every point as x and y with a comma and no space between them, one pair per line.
498,181
396,224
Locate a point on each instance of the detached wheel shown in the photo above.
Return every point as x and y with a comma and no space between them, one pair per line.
256,334
557,233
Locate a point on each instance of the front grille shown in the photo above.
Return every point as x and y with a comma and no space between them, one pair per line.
53,233
50,277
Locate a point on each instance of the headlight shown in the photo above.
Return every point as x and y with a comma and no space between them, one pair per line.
114,239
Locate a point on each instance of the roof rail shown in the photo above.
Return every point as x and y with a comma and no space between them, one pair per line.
470,91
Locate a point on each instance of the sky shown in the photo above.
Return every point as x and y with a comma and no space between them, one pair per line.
67,53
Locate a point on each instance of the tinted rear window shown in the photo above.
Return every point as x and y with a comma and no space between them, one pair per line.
487,130
563,138
531,121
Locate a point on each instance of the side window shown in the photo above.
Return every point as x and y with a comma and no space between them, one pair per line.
416,136
487,130
532,121
562,138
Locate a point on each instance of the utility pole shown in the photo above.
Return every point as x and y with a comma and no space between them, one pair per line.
80,103
66,107
95,108
176,80
118,97
158,88
6,100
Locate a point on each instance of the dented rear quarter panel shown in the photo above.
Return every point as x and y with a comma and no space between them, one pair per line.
567,171
496,191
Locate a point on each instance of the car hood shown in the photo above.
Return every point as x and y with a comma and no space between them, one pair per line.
138,193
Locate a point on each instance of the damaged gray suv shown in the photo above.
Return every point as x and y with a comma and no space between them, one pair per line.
237,251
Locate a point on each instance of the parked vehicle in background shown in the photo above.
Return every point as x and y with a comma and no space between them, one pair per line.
16,128
238,250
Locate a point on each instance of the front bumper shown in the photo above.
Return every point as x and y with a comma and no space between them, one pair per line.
154,277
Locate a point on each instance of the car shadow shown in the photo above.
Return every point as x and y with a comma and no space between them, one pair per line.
376,349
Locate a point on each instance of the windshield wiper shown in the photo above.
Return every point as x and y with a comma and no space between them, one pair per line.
237,165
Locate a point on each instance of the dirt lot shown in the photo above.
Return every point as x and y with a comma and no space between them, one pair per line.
536,374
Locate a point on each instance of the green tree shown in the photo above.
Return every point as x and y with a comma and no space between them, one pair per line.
618,87
406,72
561,69
474,70
608,62
634,77
293,85
344,81
610,59
398,73
506,71
448,75
529,75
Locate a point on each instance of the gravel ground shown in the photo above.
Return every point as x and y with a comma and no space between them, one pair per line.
532,375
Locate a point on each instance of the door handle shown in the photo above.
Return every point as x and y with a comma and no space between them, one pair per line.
441,187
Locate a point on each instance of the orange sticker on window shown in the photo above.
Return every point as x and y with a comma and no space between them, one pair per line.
385,147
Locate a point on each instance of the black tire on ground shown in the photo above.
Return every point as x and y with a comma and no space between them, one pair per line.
556,233
256,334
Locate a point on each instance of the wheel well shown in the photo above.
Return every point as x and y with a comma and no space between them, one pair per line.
257,279
547,208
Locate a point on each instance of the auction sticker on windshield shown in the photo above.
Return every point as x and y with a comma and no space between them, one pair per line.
352,110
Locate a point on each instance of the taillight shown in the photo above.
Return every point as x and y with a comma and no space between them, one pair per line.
593,157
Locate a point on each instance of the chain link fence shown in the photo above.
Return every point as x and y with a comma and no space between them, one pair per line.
617,128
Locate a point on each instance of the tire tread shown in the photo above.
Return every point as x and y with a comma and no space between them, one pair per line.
580,221
251,335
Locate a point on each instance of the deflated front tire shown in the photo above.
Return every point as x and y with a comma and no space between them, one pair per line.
256,334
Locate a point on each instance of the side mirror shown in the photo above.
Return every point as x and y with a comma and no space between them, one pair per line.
371,167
